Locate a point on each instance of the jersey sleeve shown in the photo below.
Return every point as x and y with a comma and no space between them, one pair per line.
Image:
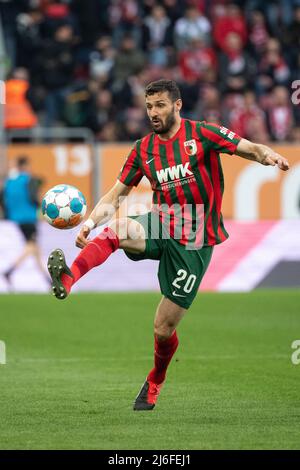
218,138
131,173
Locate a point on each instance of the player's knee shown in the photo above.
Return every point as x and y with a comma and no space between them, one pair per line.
120,227
163,336
164,331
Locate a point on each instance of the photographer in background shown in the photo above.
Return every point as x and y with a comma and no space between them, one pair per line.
21,202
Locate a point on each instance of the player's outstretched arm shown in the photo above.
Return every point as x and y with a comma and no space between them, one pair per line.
103,211
261,154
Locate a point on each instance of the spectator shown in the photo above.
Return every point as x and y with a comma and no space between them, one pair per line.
157,36
280,114
258,34
272,69
105,110
21,204
56,14
209,107
193,25
134,120
130,129
237,70
93,18
18,113
232,22
30,34
125,19
197,61
77,53
189,90
102,59
122,94
291,39
249,119
109,133
279,13
129,60
80,109
9,10
55,70
174,9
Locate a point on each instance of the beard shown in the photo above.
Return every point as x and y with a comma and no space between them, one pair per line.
164,128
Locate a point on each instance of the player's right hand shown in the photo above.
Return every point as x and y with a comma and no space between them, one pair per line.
82,238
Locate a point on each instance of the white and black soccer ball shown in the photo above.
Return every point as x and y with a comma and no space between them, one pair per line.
64,206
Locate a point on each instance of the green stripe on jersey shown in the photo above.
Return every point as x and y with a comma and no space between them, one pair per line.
207,162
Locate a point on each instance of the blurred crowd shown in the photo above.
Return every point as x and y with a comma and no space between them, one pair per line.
84,63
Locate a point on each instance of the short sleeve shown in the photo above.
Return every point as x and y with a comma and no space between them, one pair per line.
131,173
219,138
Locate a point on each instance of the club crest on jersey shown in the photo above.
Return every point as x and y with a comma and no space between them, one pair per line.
190,147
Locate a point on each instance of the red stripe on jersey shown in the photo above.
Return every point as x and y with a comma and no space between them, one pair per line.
145,157
209,190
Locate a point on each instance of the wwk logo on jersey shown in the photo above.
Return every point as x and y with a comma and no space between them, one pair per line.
175,173
190,147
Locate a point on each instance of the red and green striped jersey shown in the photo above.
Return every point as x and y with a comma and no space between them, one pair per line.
185,170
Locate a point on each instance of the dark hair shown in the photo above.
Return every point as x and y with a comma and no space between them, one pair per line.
164,85
22,161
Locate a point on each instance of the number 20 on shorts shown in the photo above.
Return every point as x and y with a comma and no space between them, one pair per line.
189,282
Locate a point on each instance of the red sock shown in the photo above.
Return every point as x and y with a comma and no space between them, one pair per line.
92,255
163,353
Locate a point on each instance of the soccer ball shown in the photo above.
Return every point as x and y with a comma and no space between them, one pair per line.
64,206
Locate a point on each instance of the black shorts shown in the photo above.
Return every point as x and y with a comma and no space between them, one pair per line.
29,231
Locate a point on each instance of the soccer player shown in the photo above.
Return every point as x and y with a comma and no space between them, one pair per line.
21,202
181,160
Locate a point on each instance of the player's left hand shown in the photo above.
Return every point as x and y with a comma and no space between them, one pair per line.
276,159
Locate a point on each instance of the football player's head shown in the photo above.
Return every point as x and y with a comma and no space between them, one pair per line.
23,163
163,103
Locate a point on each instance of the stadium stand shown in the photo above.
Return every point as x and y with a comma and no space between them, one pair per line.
234,61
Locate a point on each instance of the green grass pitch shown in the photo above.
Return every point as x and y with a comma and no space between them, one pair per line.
74,368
